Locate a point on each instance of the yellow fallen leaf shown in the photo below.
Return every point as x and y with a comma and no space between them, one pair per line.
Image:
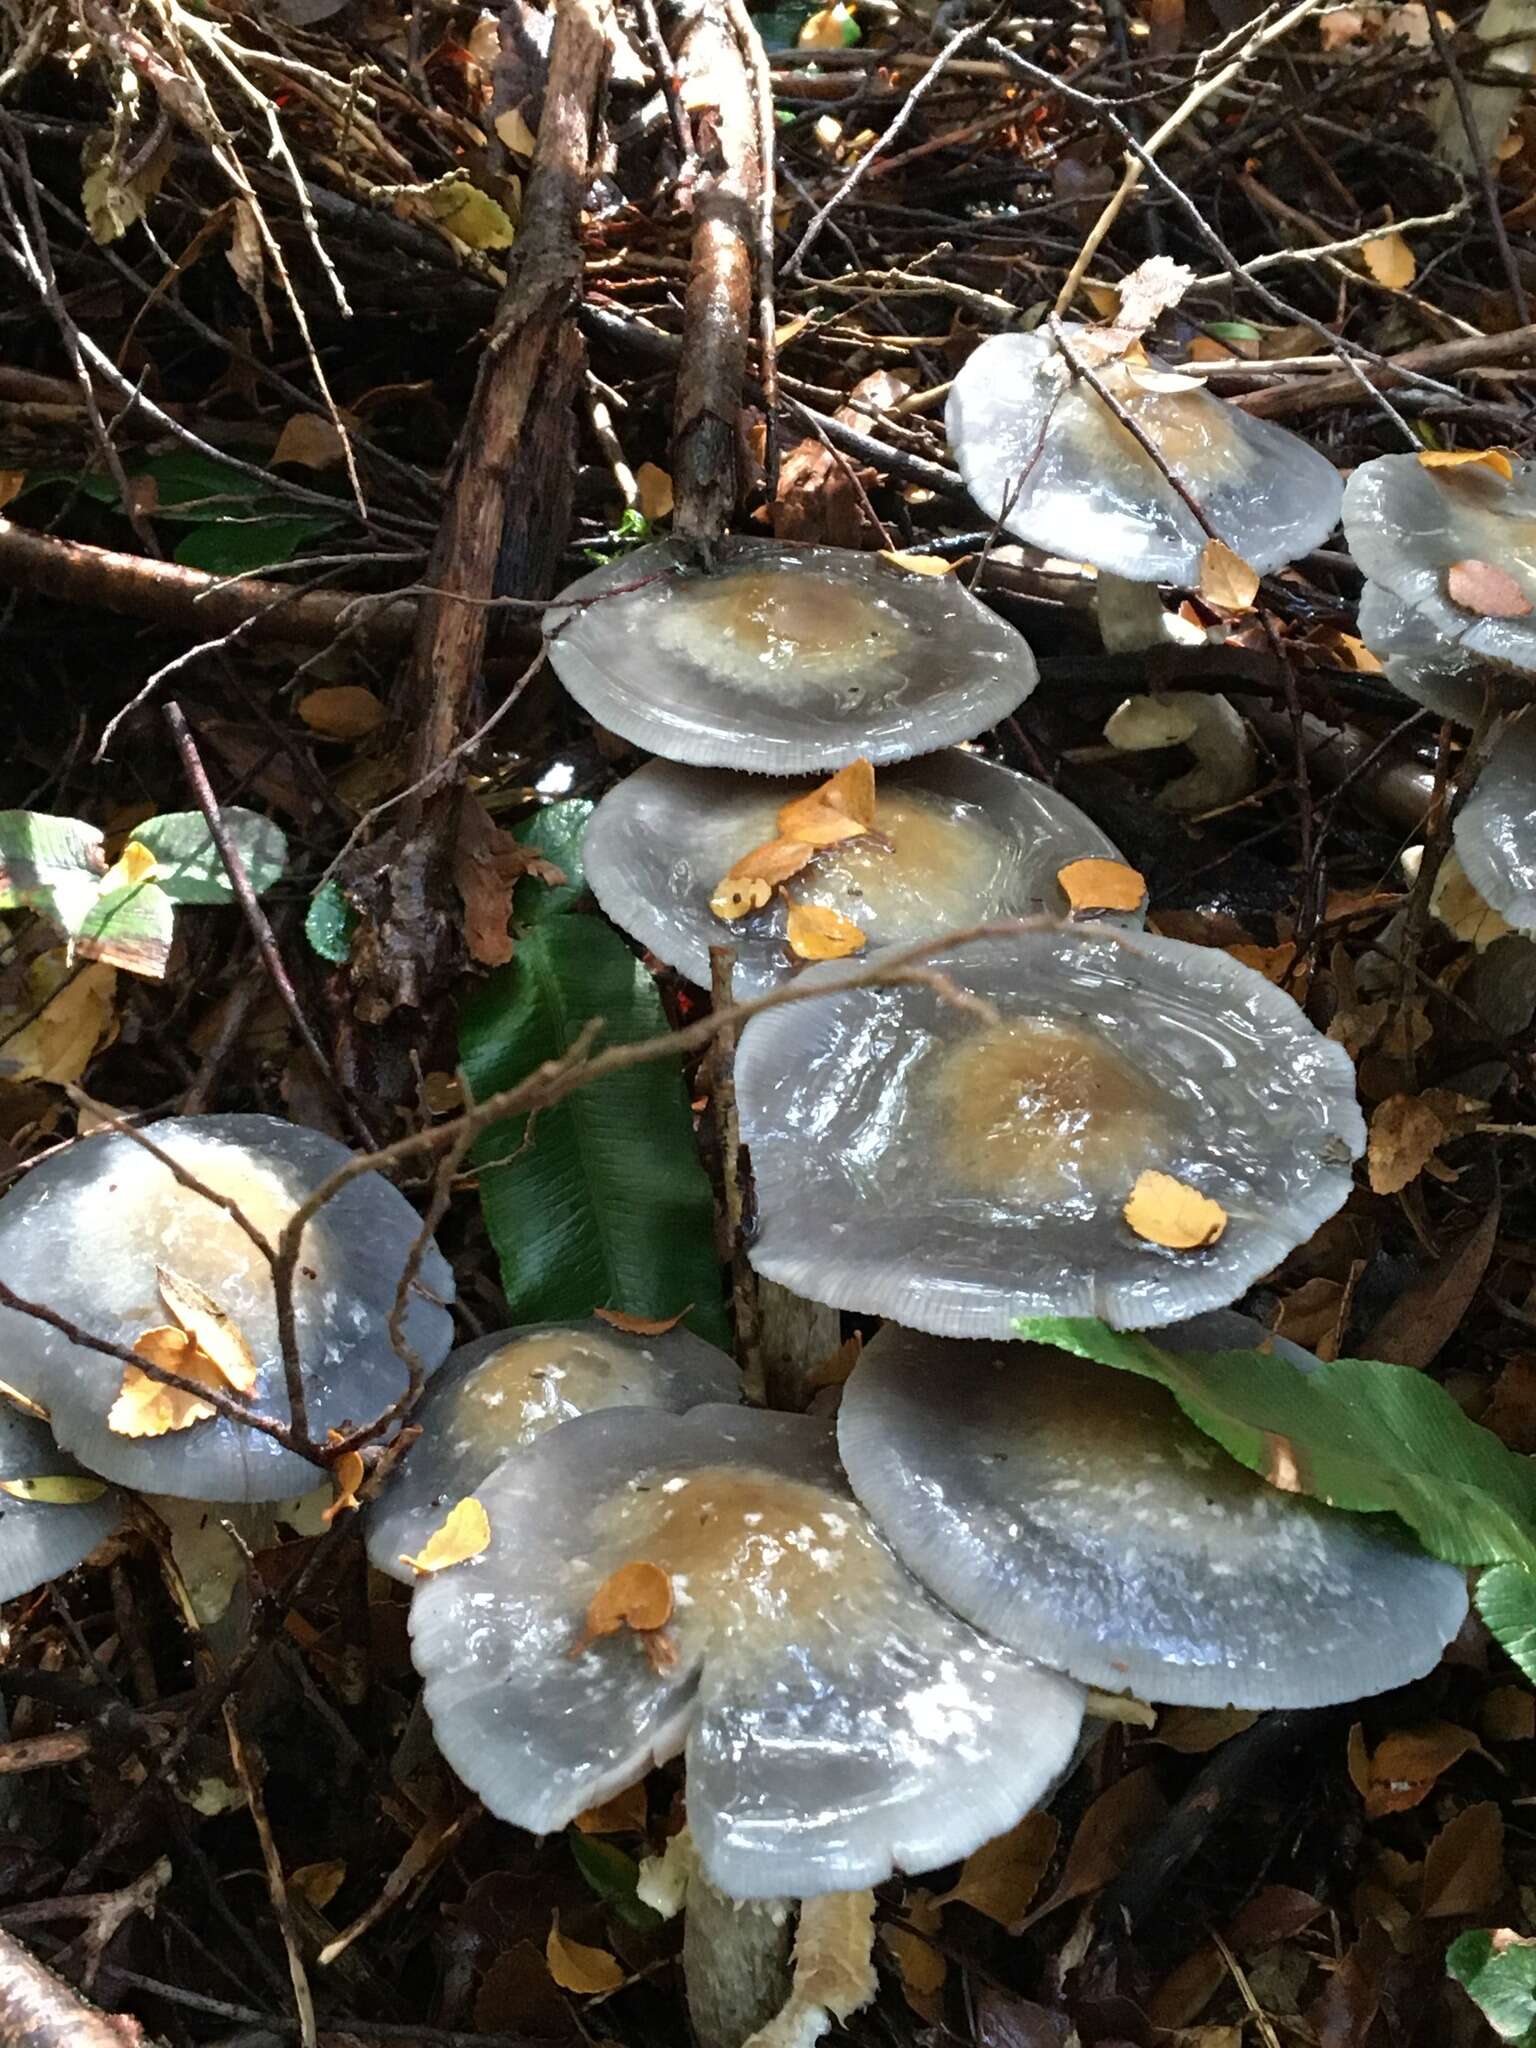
347,1477
1225,578
145,1406
575,1967
1167,1212
134,866
63,1012
317,1883
653,489
464,1533
311,441
917,565
211,1327
1496,459
467,212
1389,260
774,861
342,711
739,894
829,28
514,133
817,934
637,1596
850,794
67,1490
1091,885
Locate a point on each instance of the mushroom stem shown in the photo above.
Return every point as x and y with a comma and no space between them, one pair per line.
735,1962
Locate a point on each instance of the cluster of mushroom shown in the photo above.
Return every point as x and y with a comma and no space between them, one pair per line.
152,1251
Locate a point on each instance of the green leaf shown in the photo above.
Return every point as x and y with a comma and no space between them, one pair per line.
613,1876
557,832
190,868
1497,1970
1506,1599
632,531
600,1200
130,927
330,922
1233,330
49,864
241,547
1355,1433
780,27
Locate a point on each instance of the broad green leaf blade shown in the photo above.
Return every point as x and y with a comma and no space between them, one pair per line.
613,1876
1506,1599
129,927
51,865
557,832
330,922
190,868
1497,1970
600,1200
1356,1434
242,546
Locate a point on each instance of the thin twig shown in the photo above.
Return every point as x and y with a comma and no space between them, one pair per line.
1485,181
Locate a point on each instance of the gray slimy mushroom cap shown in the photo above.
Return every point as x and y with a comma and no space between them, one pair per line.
1430,670
839,1724
41,1539
1077,1514
504,1391
1408,526
86,1230
1042,452
785,659
959,841
1495,829
915,1162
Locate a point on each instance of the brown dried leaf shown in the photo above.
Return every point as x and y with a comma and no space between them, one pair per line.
1166,1211
1424,1318
640,1326
61,1015
624,1814
487,866
817,934
920,1966
653,488
342,711
1406,1133
1496,459
311,441
1094,885
917,565
318,1883
637,1596
849,796
1226,579
575,1967
1000,1878
1464,1866
464,1533
1484,588
1404,1767
774,861
12,484
1106,1835
1193,1731
1508,1714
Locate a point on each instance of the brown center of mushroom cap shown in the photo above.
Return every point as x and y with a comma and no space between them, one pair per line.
928,860
1030,1108
534,1382
765,621
1190,429
749,1550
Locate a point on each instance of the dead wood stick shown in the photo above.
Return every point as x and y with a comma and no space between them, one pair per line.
1444,358
165,594
717,311
38,2010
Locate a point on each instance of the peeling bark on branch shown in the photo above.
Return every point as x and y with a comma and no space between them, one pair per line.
38,2010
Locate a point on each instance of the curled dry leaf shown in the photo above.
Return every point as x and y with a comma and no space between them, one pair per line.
317,1883
1226,579
848,795
637,1596
739,895
63,1490
211,1327
342,711
818,934
1496,459
774,861
146,1406
1464,1868
1195,1731
1408,1130
465,1533
1168,1212
641,1326
1390,260
653,489
1405,1766
1000,1878
347,1477
1484,588
576,1967
917,565
1092,885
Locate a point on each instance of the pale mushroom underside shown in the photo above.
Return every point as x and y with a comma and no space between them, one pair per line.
1437,673
41,1539
1075,1513
1495,829
838,1723
916,1162
960,841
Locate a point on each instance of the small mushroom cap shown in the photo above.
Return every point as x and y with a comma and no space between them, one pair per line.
502,1392
40,1539
786,659
1076,1513
86,1230
1089,491
839,1724
1408,526
1415,658
916,1162
963,841
1495,829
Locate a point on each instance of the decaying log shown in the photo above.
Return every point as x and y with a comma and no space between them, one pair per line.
38,2010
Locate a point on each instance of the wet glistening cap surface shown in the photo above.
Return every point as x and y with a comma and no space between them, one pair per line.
41,1538
839,1724
954,1172
1076,1513
784,659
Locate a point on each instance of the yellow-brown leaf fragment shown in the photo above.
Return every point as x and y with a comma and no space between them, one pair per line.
65,1490
211,1327
849,794
1496,459
817,934
1166,1211
145,1406
575,1967
640,1326
346,1477
1390,260
1226,579
464,1534
653,489
917,565
342,711
774,861
637,1596
1486,589
739,895
1092,885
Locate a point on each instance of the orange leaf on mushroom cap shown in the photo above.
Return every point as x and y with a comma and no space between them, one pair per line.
1091,885
637,1596
146,1406
848,796
1496,459
1168,1212
818,934
774,861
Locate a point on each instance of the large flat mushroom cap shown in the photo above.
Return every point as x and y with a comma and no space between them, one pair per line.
1495,829
1408,527
1077,1514
913,1161
1430,670
1089,490
965,841
839,1724
86,1230
785,659
504,1391
42,1539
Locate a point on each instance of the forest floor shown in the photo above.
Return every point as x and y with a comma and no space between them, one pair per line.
253,262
